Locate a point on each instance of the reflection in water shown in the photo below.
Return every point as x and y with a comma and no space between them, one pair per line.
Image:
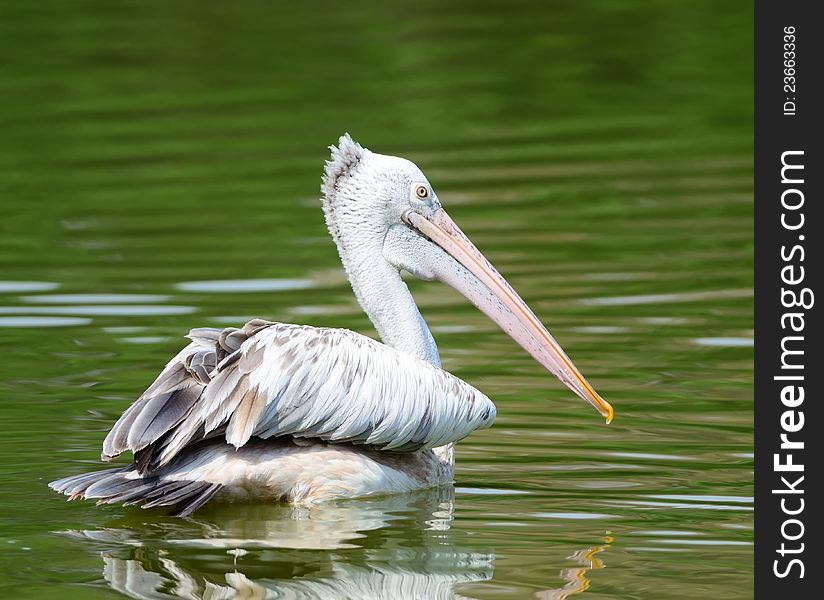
392,547
262,551
377,579
575,577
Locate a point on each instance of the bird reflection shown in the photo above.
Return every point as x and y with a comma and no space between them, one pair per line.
392,547
344,550
575,577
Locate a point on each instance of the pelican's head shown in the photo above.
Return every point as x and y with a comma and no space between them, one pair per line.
384,206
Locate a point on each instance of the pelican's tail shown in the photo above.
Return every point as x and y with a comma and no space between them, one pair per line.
125,485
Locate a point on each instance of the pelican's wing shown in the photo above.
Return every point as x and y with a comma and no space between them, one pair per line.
273,379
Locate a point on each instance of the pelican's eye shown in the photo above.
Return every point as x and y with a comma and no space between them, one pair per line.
422,192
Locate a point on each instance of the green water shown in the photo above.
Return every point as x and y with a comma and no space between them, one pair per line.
599,154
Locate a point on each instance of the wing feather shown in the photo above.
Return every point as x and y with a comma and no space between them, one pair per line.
274,379
245,417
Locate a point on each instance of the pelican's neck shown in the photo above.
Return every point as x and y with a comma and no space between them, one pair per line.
353,209
378,286
387,302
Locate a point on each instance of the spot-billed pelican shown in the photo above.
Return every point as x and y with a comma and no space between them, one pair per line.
273,411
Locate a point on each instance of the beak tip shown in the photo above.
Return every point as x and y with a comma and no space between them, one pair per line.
610,414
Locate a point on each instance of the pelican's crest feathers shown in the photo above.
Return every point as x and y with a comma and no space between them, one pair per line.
345,157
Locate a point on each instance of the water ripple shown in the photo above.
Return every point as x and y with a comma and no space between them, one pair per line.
706,542
95,298
648,456
573,515
43,321
99,310
600,329
490,491
684,505
707,498
666,298
727,342
28,286
245,285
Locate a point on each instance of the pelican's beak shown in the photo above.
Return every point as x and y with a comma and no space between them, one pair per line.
496,298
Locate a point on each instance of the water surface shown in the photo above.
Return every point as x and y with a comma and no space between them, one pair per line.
160,171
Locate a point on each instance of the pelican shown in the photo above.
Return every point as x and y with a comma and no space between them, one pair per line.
281,412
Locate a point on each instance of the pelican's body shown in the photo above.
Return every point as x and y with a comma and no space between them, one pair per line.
274,411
